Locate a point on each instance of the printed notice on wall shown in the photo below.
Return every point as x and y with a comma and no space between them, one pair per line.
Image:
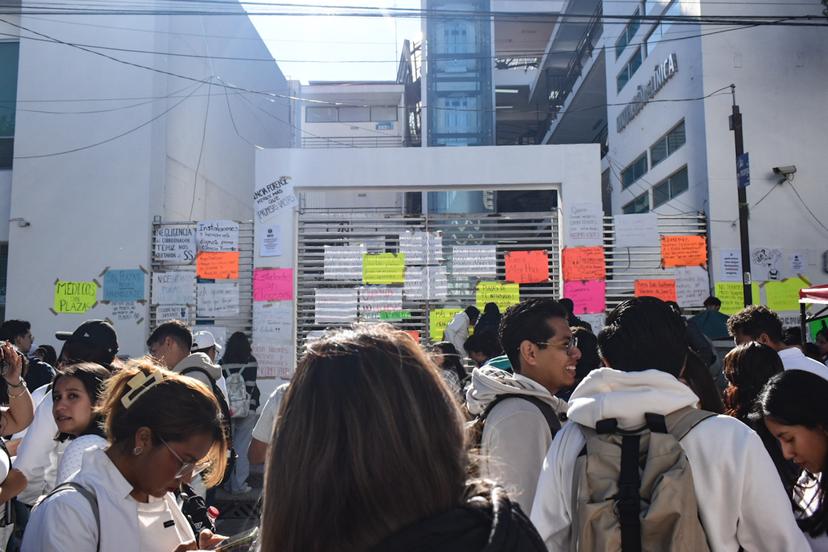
75,297
335,306
474,260
766,264
163,313
376,300
584,225
421,247
730,269
173,288
272,198
217,235
426,283
175,244
343,262
692,286
215,300
636,230
123,286
270,242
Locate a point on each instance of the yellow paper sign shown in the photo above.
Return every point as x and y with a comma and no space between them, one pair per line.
383,268
784,295
504,295
732,296
438,320
75,297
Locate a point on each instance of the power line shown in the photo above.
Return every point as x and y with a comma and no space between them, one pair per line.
201,149
802,201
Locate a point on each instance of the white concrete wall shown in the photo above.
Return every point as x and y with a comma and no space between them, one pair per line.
5,204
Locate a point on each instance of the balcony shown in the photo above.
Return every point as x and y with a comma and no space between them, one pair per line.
353,142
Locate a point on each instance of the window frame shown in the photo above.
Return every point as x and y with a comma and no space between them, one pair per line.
668,183
631,166
665,139
627,71
628,33
630,208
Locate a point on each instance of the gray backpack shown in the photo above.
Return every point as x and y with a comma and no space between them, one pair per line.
85,493
632,491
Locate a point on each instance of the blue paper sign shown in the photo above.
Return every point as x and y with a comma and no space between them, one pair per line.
123,286
743,170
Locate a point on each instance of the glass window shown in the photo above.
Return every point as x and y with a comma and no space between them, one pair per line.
629,70
456,37
640,204
354,114
320,115
667,189
667,144
634,171
9,55
658,32
627,34
383,113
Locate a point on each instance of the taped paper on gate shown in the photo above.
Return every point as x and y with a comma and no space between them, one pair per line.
730,265
595,320
584,263
165,313
273,284
123,286
692,286
766,264
527,267
683,251
273,322
588,297
732,296
426,283
217,235
662,289
373,301
173,288
478,261
74,297
343,262
639,230
504,295
127,312
784,295
175,244
212,265
217,300
383,268
584,224
274,360
421,247
438,321
335,306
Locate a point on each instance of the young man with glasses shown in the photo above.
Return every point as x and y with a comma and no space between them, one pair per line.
520,408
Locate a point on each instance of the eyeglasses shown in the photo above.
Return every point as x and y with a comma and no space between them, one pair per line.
570,346
193,468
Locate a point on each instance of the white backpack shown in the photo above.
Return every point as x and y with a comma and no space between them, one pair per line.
237,395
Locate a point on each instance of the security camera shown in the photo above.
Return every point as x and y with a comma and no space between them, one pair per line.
786,170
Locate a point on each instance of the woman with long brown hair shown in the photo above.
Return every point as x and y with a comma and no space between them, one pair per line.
368,453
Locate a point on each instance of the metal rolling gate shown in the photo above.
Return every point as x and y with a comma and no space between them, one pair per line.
380,232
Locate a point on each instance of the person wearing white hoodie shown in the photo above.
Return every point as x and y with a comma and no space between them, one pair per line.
742,504
170,344
516,433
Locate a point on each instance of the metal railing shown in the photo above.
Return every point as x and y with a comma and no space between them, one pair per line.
353,142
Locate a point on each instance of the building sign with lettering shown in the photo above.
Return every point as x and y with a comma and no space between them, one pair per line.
663,72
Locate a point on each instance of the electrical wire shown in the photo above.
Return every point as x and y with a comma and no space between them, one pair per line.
802,201
201,150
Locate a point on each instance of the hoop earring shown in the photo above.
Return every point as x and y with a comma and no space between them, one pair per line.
137,451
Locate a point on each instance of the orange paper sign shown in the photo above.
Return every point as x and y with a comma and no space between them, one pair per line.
662,289
218,265
684,251
527,267
584,263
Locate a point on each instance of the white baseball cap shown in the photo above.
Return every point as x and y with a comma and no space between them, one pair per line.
204,340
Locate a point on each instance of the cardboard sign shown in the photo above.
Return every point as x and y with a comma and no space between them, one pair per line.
175,244
662,289
527,267
218,265
273,284
732,296
75,297
784,295
438,320
383,268
502,294
588,297
123,286
217,235
683,251
584,263
272,198
173,288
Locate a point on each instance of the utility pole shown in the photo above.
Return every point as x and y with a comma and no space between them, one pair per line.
744,213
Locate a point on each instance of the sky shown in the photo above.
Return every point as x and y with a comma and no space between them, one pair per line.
338,48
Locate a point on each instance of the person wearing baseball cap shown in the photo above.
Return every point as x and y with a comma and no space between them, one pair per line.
92,341
205,342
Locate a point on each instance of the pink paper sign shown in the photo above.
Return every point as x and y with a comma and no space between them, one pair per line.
273,284
589,297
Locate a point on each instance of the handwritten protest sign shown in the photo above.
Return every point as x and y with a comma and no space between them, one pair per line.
662,289
274,360
474,260
272,198
438,320
587,296
784,296
585,225
127,312
421,247
373,301
273,284
335,306
683,251
527,267
214,300
163,313
217,235
173,288
383,268
732,296
640,230
273,338
75,297
343,262
218,265
692,286
123,286
426,283
394,316
175,244
584,263
504,295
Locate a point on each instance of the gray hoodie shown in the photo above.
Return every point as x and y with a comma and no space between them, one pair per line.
515,436
202,362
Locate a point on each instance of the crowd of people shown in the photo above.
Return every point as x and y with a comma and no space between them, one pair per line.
522,430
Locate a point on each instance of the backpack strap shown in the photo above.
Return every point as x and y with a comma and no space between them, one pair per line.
628,501
88,495
545,408
683,420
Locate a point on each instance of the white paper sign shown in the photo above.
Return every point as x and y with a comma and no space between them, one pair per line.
426,283
217,235
173,288
270,242
164,313
175,244
272,198
730,269
373,300
275,360
692,286
766,264
636,230
594,320
335,306
273,338
585,225
127,312
421,247
474,260
219,333
218,300
343,262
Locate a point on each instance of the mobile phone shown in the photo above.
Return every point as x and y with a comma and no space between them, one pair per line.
240,542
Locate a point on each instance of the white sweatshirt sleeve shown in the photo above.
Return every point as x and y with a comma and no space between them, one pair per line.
33,455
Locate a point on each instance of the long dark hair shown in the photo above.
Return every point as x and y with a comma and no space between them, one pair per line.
368,440
92,376
237,349
451,358
699,379
797,398
748,368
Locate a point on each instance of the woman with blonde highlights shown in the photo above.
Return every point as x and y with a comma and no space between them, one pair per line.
162,428
368,453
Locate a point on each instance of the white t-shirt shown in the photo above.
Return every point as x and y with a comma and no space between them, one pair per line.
72,457
263,431
36,454
794,359
158,529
